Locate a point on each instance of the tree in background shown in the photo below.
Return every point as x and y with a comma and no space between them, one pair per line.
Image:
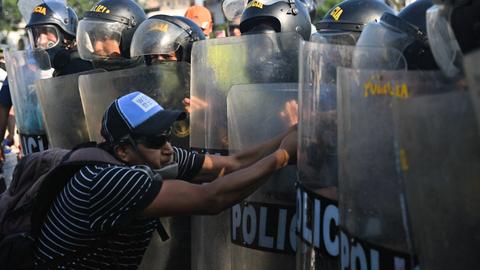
326,5
10,17
80,6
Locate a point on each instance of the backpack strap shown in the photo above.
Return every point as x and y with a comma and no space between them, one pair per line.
162,232
55,180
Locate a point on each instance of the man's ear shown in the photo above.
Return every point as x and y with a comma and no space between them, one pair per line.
123,153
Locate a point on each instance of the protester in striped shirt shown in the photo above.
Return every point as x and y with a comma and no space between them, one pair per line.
105,216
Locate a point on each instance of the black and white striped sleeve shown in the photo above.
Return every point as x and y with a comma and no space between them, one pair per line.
189,163
118,194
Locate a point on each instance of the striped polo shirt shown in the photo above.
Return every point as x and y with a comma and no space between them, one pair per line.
96,222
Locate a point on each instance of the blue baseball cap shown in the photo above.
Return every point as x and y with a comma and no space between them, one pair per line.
139,115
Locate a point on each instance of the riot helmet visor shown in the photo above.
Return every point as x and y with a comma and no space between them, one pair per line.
264,2
382,34
157,37
99,40
445,47
43,36
337,38
233,9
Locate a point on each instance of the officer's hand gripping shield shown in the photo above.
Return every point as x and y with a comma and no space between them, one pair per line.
439,158
167,83
24,68
218,67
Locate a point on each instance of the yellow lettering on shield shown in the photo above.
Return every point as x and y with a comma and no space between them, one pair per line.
375,87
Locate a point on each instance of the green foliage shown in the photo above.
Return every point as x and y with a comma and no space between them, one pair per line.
80,6
324,7
11,15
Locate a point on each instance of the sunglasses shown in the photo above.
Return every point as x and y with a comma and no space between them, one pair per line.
156,142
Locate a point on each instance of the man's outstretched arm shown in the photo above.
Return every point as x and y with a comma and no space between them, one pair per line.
183,198
215,166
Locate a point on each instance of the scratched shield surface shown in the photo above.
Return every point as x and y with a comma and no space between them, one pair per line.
372,202
220,66
317,191
24,68
61,107
439,157
263,225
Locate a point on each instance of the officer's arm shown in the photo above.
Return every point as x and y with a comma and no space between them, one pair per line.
182,198
215,166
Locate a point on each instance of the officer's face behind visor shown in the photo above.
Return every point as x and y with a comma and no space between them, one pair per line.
99,39
43,36
157,40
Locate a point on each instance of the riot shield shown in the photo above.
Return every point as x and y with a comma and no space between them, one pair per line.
167,83
473,76
372,198
317,198
263,225
439,146
24,68
62,110
217,66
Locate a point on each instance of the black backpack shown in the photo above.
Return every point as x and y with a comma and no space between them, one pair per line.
37,179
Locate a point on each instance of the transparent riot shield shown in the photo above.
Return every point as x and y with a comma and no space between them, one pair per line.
439,147
263,225
317,198
217,66
374,225
62,110
473,75
167,83
24,68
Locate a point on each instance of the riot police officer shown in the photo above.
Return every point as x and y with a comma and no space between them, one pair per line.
276,16
344,22
165,38
407,32
53,27
106,31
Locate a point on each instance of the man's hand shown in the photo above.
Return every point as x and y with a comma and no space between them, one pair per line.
194,104
290,112
289,144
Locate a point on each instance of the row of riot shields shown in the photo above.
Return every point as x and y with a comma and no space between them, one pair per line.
358,193
403,147
388,160
244,92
